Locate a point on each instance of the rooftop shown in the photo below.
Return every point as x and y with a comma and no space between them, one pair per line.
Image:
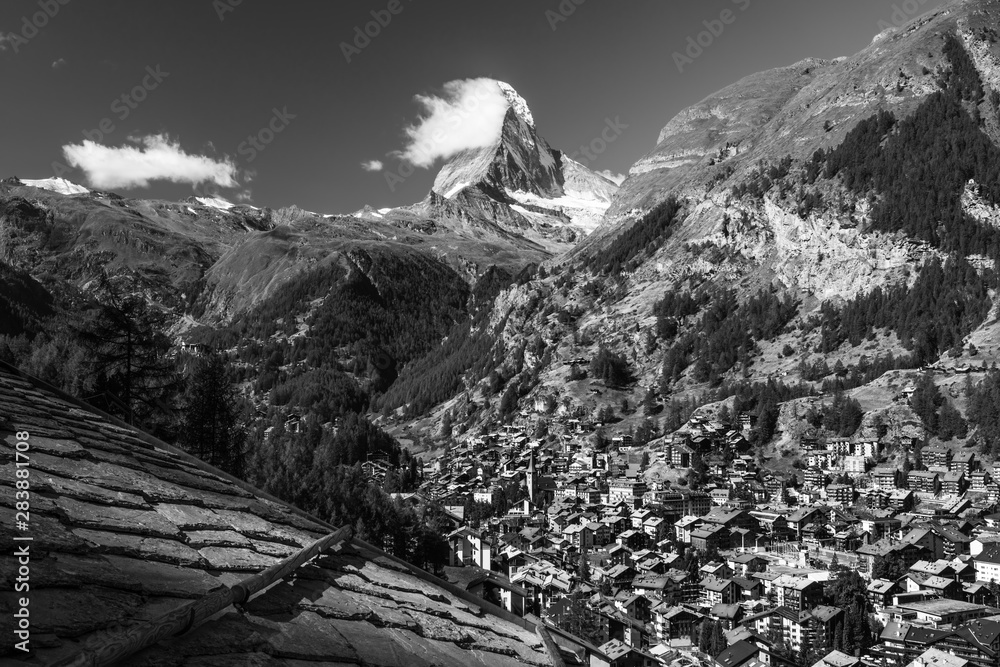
940,607
127,529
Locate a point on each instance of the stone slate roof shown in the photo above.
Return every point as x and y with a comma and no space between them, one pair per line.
126,528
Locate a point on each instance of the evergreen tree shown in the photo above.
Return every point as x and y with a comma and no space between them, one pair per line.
211,416
581,620
129,348
926,400
705,636
984,410
610,367
950,422
718,642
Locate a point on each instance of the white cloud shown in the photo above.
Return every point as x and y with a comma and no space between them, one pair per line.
372,165
59,63
617,179
468,114
155,158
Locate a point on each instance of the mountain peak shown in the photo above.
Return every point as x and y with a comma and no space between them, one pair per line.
517,103
55,184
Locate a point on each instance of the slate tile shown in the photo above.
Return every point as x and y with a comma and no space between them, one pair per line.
117,519
138,546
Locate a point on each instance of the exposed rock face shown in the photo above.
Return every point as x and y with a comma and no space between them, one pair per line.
748,241
800,108
550,195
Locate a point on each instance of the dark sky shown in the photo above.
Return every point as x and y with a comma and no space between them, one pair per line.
608,59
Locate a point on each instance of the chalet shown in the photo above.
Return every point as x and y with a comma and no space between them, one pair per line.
953,483
955,542
749,589
814,477
773,524
729,615
716,569
964,462
838,659
884,478
936,456
795,627
798,593
719,591
926,538
580,536
979,480
803,517
655,528
615,653
681,455
620,575
470,547
940,586
738,655
619,554
633,539
775,489
673,622
901,500
729,518
923,481
629,491
744,564
855,465
683,528
841,493
881,593
987,564
710,537
820,459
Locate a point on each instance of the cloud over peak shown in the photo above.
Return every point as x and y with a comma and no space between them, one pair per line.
467,114
151,158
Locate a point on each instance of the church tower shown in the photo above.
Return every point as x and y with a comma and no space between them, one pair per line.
531,479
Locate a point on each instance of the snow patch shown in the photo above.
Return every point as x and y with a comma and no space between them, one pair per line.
215,202
517,102
60,185
455,190
585,210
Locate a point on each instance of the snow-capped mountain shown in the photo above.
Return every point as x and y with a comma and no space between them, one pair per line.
60,185
543,189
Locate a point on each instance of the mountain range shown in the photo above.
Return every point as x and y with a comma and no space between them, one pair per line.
831,214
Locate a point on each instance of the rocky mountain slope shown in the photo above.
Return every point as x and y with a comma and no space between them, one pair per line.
522,184
770,249
762,214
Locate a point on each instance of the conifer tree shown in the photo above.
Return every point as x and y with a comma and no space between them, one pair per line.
127,341
211,429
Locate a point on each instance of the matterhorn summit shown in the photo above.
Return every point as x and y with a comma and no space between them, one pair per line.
517,103
541,186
